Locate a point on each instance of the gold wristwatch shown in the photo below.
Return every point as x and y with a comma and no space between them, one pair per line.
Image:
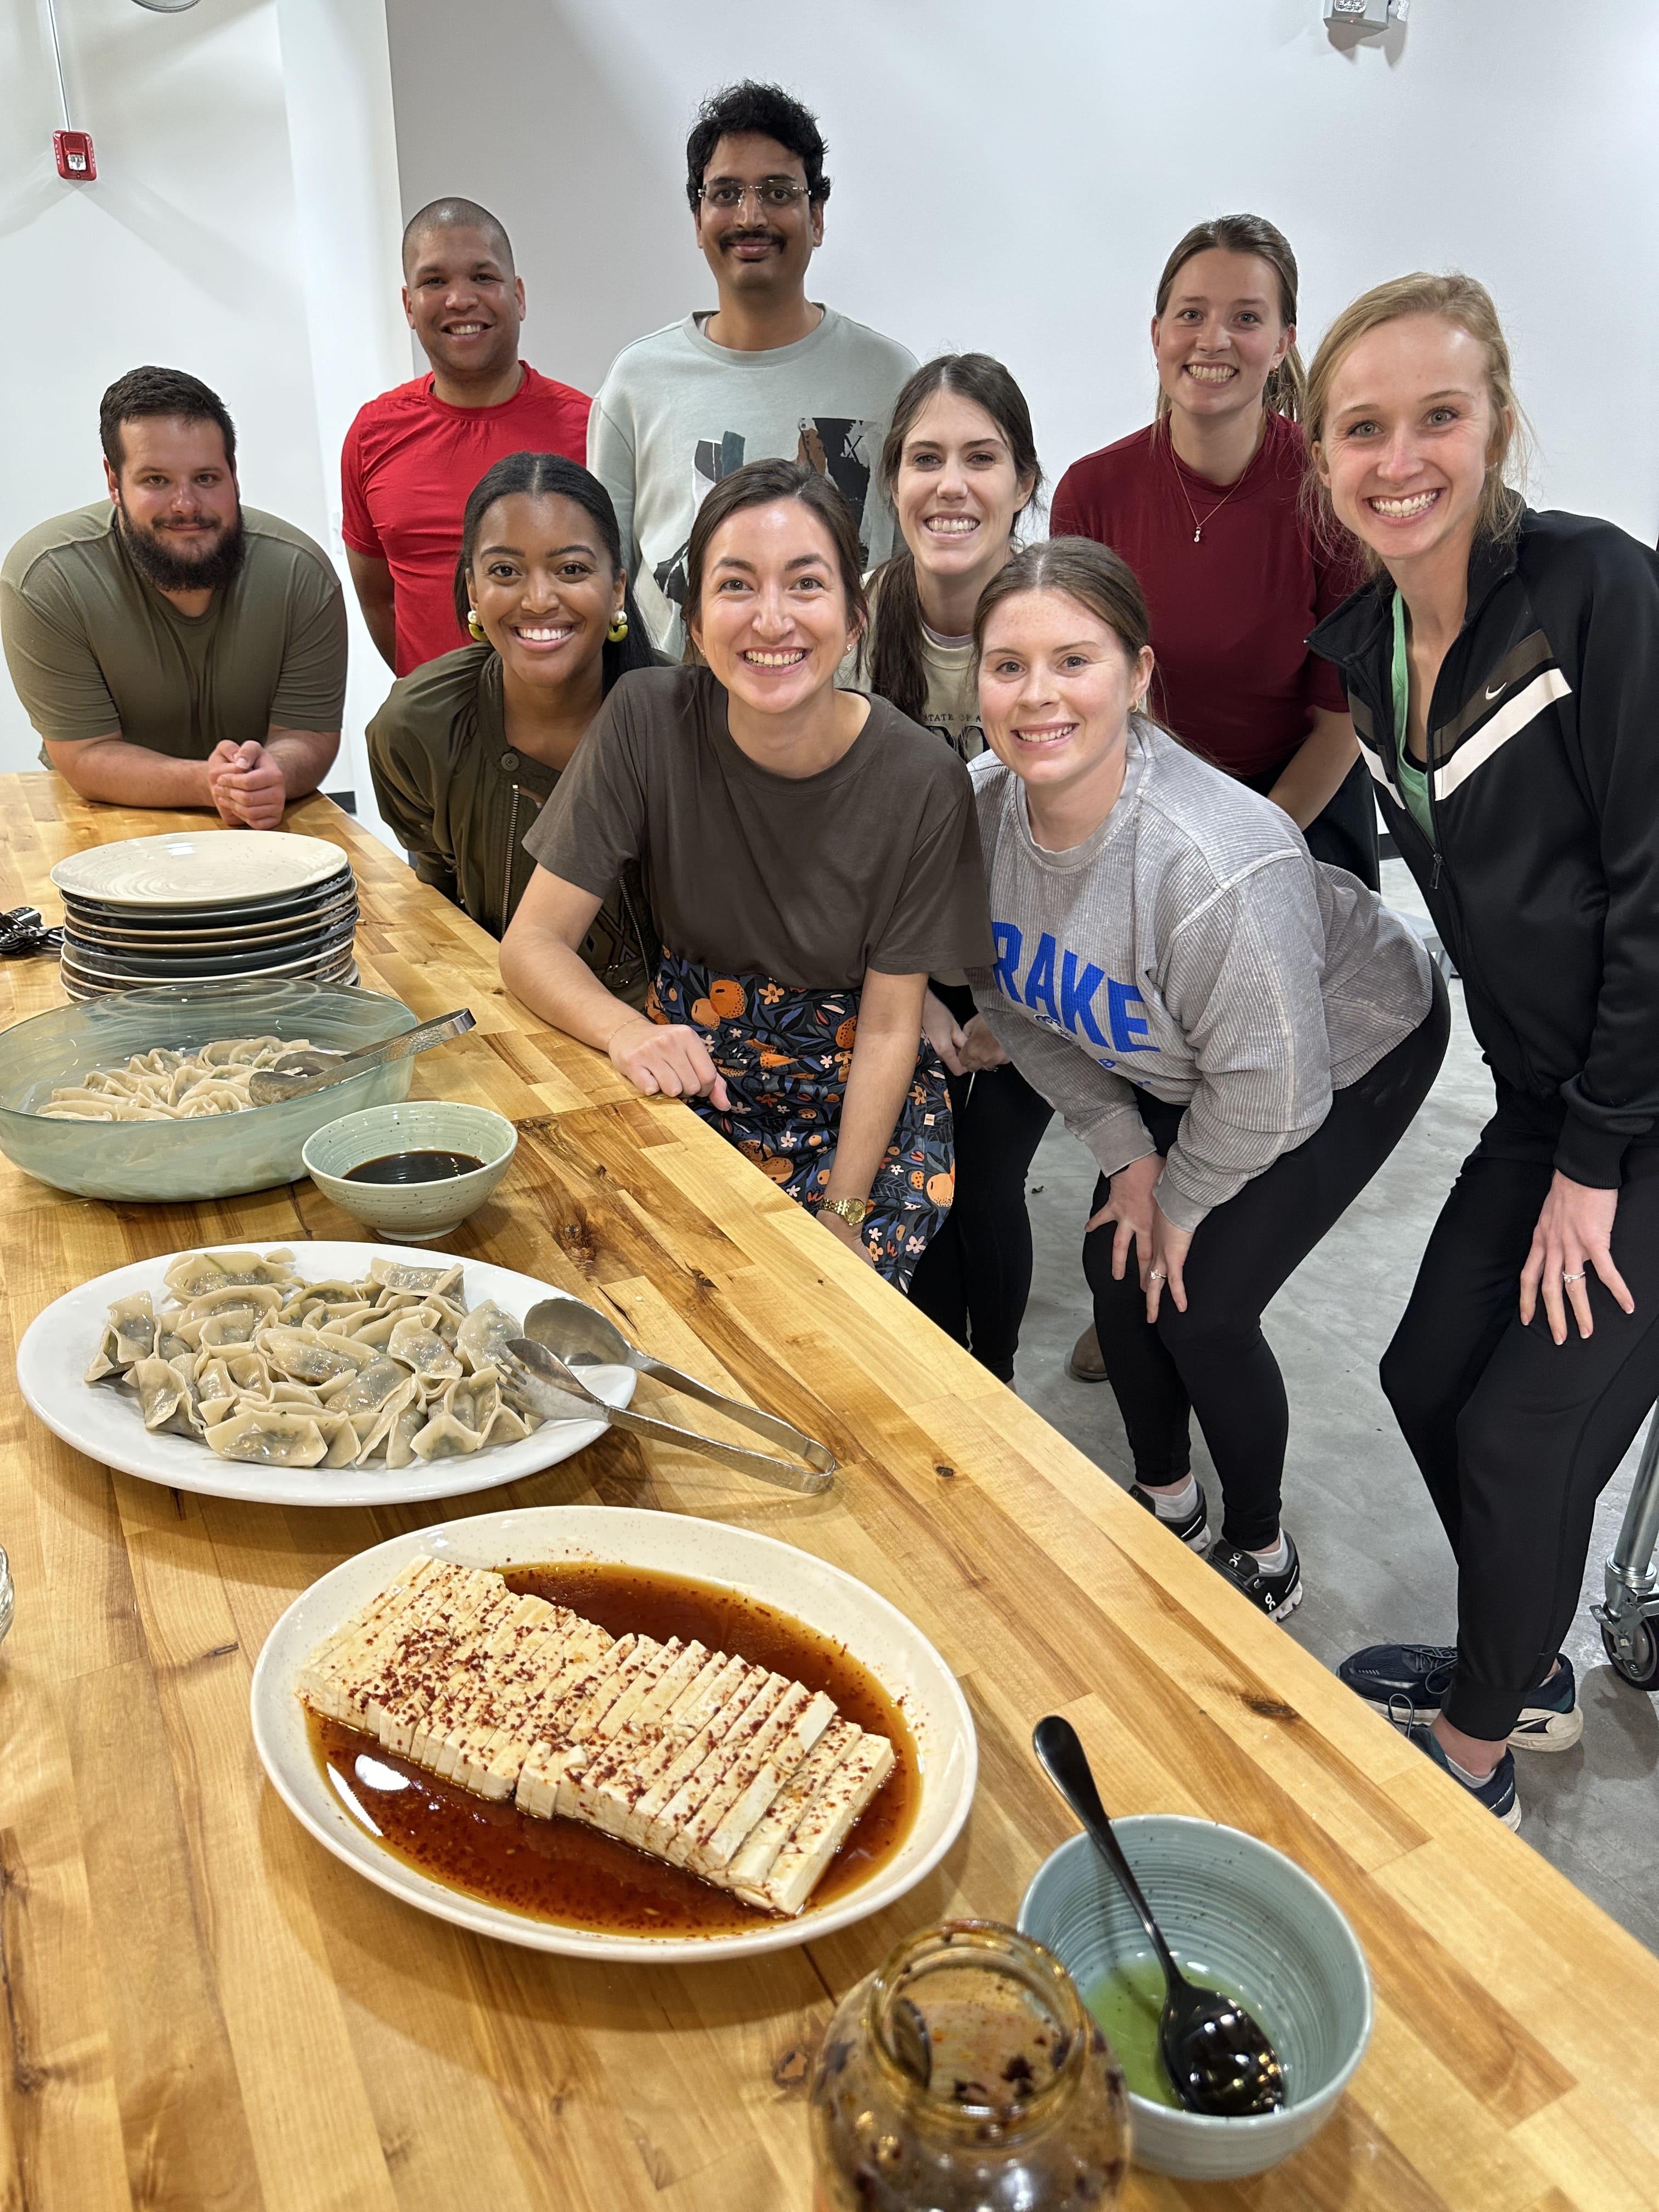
852,1210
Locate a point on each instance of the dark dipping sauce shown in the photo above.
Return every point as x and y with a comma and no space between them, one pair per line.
414,1167
563,1870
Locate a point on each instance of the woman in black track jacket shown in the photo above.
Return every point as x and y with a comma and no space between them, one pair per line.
1502,670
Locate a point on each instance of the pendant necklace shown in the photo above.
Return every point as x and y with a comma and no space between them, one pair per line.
1197,527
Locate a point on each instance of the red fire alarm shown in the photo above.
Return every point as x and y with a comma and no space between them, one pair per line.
75,160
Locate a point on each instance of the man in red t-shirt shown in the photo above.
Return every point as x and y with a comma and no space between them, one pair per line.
411,456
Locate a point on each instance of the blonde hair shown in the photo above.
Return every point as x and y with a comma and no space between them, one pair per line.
1455,299
1262,240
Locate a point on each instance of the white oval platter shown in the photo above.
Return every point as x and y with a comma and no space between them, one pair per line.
104,1424
824,1596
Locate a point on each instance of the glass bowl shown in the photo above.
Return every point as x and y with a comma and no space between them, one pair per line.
214,1155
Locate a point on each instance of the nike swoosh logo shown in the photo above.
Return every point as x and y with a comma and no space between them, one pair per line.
1494,690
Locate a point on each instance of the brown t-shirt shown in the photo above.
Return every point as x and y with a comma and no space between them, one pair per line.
873,862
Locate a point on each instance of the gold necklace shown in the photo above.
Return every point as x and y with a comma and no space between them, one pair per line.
1197,527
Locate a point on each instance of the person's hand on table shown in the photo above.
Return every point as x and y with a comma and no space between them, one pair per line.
1170,1246
670,1058
943,1031
1129,1205
979,1048
1574,1235
844,1233
245,784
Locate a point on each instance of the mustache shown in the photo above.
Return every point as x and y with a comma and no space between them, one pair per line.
751,237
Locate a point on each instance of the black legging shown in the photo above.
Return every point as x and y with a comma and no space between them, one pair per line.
1517,1436
975,1277
1213,1359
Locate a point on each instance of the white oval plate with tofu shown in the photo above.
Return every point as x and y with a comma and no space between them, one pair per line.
105,1424
824,1596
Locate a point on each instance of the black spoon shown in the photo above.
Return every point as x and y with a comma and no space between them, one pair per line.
1218,2058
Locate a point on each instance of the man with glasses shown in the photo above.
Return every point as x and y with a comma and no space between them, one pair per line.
769,373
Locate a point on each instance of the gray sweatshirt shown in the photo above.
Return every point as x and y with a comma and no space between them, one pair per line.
1192,947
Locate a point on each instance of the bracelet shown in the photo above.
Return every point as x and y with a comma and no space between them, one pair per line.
851,1210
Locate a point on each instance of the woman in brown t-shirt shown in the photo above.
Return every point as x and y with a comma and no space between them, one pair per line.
810,855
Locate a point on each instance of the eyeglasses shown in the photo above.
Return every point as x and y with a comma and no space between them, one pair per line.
778,194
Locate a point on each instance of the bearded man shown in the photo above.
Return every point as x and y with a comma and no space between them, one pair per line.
173,648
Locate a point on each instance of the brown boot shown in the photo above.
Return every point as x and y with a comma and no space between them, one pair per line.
1085,1363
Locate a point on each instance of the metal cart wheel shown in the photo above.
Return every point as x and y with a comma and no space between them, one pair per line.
1637,1662
1629,1614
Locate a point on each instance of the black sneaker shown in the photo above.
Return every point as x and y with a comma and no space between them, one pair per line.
1412,1681
1277,1596
1495,1793
1403,1682
1193,1530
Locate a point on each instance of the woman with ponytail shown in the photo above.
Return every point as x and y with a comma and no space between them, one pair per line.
1205,504
467,748
960,468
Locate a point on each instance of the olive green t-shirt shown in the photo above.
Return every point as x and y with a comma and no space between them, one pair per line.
459,798
93,648
873,862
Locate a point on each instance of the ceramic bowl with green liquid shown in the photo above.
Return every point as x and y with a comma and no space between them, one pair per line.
1240,1917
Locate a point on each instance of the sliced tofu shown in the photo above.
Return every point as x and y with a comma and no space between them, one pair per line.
750,1866
722,1844
319,1674
733,1762
676,1772
591,1685
824,1826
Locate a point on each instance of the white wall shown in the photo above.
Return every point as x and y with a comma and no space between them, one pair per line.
1012,177
193,248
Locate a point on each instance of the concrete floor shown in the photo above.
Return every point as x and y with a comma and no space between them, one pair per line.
1376,1565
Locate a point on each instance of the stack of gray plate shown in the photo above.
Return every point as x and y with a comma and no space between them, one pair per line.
198,908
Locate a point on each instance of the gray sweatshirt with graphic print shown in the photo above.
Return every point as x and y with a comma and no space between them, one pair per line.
1192,948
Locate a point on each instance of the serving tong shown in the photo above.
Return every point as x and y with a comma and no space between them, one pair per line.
314,1067
561,1334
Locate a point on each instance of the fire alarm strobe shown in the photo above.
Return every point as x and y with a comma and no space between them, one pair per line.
75,156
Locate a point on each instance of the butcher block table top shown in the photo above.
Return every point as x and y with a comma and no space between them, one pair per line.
201,2009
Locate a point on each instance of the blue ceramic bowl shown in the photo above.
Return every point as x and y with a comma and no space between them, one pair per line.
217,1156
1244,1916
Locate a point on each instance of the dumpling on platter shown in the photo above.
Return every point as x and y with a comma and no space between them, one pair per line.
422,1348
368,1390
128,1336
269,1435
305,1356
400,1437
483,1337
398,1275
160,1388
197,1272
375,1424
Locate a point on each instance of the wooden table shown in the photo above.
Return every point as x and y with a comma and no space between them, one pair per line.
200,2008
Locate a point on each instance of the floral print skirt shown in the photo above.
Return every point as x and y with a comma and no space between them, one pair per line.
784,1054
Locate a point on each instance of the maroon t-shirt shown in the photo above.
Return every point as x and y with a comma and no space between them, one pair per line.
409,462
1231,615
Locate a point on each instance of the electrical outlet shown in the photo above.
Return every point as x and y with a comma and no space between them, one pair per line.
75,159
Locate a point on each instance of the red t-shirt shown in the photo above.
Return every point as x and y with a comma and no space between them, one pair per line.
1230,616
409,461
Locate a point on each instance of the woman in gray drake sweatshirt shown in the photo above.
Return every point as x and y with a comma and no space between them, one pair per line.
1240,1033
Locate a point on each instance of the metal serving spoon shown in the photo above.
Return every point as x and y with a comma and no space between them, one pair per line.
1217,2057
297,1072
550,1387
582,1337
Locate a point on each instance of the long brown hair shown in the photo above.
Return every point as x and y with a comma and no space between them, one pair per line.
1455,299
1286,386
1100,580
892,652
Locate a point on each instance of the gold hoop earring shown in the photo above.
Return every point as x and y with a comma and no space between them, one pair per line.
618,629
476,628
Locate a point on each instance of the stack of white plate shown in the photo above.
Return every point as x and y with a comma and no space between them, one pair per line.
223,906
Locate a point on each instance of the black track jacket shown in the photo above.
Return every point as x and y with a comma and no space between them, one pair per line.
1543,876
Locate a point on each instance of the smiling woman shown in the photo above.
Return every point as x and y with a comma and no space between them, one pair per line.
810,855
468,747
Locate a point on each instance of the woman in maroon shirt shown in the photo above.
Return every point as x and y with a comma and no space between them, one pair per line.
1206,505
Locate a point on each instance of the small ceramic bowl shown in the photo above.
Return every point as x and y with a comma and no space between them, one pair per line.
411,1212
1241,1915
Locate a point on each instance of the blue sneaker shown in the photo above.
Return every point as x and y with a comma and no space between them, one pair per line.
1413,1681
1495,1793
